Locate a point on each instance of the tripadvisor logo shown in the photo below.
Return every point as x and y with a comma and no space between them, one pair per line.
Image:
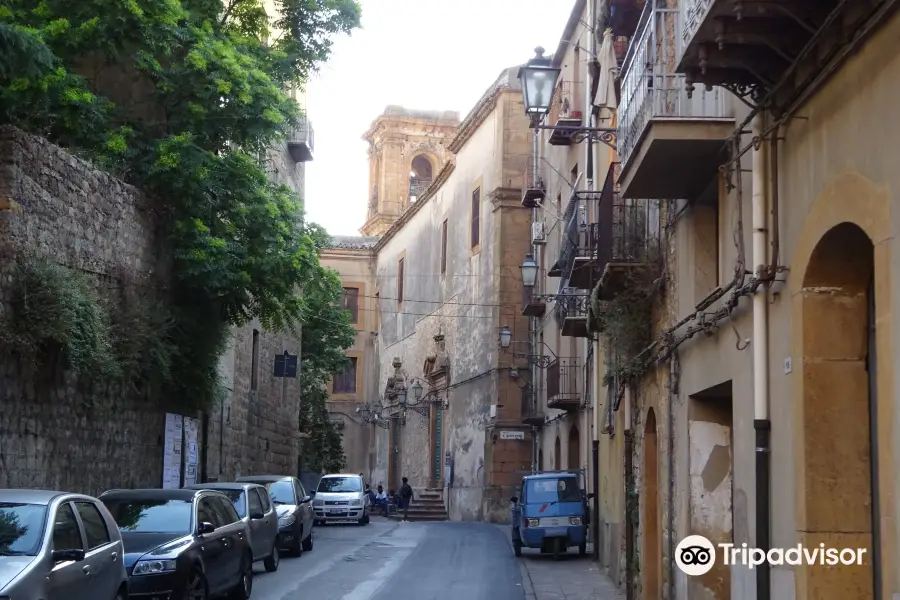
695,555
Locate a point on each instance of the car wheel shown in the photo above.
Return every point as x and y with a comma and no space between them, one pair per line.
297,545
517,547
271,561
120,595
197,587
366,518
308,542
244,587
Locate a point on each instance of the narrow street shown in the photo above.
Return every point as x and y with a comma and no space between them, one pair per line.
425,561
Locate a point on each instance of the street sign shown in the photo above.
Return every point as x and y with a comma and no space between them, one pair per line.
286,365
512,435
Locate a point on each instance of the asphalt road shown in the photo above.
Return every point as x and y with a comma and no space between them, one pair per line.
397,561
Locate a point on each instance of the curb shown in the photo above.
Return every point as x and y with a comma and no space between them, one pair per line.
527,583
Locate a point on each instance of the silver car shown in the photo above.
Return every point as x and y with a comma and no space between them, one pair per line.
340,499
59,546
253,506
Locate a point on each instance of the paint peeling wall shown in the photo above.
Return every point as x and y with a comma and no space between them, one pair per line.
456,304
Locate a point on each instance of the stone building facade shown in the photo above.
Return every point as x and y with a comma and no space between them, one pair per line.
352,258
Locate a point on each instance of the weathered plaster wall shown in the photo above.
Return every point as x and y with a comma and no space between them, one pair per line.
836,165
61,208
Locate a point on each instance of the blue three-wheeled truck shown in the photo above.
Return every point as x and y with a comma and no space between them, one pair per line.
551,513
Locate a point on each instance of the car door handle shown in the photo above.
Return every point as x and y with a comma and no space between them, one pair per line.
114,556
86,569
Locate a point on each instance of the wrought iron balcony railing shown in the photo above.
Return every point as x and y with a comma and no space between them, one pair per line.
301,141
564,384
628,228
571,309
651,89
417,187
533,185
531,409
566,102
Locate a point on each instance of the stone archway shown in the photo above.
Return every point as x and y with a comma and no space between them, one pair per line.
574,454
838,453
557,455
651,552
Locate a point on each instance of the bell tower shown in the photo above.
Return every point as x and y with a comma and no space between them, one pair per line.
406,153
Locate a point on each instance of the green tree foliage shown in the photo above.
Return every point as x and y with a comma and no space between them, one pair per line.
182,98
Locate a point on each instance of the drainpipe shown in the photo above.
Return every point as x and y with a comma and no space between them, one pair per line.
589,175
629,509
532,321
761,422
674,375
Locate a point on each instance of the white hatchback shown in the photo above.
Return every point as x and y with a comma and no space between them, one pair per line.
341,498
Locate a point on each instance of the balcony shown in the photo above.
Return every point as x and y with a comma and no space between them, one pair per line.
670,143
572,312
758,48
578,251
417,187
566,113
532,306
301,141
533,184
564,385
531,413
628,235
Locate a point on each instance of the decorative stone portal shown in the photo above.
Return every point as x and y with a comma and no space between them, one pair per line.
836,505
651,553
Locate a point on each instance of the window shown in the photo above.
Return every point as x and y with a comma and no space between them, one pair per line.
334,485
225,511
476,217
254,503
263,499
94,525
254,367
66,535
400,280
298,489
151,516
351,303
345,383
282,492
207,513
25,530
444,247
237,500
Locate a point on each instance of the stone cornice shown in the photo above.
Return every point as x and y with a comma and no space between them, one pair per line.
475,118
503,197
416,207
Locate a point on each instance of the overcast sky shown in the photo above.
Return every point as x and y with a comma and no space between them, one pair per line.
422,54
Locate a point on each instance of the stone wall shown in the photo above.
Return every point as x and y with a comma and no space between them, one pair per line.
59,207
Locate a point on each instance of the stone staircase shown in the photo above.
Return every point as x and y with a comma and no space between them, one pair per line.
427,505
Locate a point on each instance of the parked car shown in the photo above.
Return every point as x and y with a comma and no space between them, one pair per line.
182,543
251,501
294,508
342,498
59,546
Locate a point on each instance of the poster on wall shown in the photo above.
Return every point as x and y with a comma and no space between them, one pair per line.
172,451
192,450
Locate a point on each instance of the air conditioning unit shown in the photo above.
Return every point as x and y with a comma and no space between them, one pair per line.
538,235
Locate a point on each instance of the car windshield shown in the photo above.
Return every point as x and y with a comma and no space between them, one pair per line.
237,499
339,485
562,489
151,516
21,528
281,492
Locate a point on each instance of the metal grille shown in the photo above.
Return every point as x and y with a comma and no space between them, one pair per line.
563,379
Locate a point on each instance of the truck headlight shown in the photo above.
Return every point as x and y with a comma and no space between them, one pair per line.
150,567
574,520
532,522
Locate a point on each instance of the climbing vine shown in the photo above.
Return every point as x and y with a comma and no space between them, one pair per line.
213,78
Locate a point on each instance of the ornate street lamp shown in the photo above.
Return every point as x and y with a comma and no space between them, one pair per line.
505,337
364,411
401,397
417,391
529,271
538,80
378,408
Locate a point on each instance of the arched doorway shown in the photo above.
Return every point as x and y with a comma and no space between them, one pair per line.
540,465
574,449
651,553
421,174
838,463
557,455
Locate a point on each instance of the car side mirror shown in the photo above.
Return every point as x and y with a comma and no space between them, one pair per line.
63,555
590,496
257,514
305,499
205,528
312,494
514,499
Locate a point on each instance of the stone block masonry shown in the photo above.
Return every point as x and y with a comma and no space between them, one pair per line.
59,207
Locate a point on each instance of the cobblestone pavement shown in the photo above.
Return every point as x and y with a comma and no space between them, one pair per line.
572,578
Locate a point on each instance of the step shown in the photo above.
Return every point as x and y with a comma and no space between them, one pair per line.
415,517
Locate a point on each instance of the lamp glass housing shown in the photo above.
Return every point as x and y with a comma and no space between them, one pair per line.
529,271
364,412
417,390
538,83
505,337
